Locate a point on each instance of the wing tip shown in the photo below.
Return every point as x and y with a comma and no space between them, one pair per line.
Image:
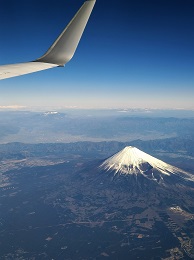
64,47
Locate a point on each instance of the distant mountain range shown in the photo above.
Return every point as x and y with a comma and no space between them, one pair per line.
52,127
181,147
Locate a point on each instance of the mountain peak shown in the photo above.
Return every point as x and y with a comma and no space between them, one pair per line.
132,161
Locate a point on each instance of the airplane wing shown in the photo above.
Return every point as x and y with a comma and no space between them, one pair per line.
61,51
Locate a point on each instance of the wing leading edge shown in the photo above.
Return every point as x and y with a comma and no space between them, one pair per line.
61,51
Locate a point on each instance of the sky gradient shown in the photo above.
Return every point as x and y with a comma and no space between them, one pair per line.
132,54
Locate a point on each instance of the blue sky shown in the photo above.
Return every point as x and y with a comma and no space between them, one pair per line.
133,54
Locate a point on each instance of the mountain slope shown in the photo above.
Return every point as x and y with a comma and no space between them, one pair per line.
132,161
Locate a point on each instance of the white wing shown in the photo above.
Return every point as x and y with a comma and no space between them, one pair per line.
60,52
13,70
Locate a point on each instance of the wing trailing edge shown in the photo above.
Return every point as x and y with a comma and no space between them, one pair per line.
18,69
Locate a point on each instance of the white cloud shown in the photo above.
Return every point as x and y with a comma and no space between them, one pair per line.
12,107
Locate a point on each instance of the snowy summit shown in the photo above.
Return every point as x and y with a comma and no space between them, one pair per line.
132,161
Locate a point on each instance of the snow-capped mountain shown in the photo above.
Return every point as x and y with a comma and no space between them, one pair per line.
50,113
132,161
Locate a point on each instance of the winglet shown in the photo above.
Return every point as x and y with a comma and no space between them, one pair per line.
60,52
65,45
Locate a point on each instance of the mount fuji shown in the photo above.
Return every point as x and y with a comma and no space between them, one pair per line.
141,197
133,162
